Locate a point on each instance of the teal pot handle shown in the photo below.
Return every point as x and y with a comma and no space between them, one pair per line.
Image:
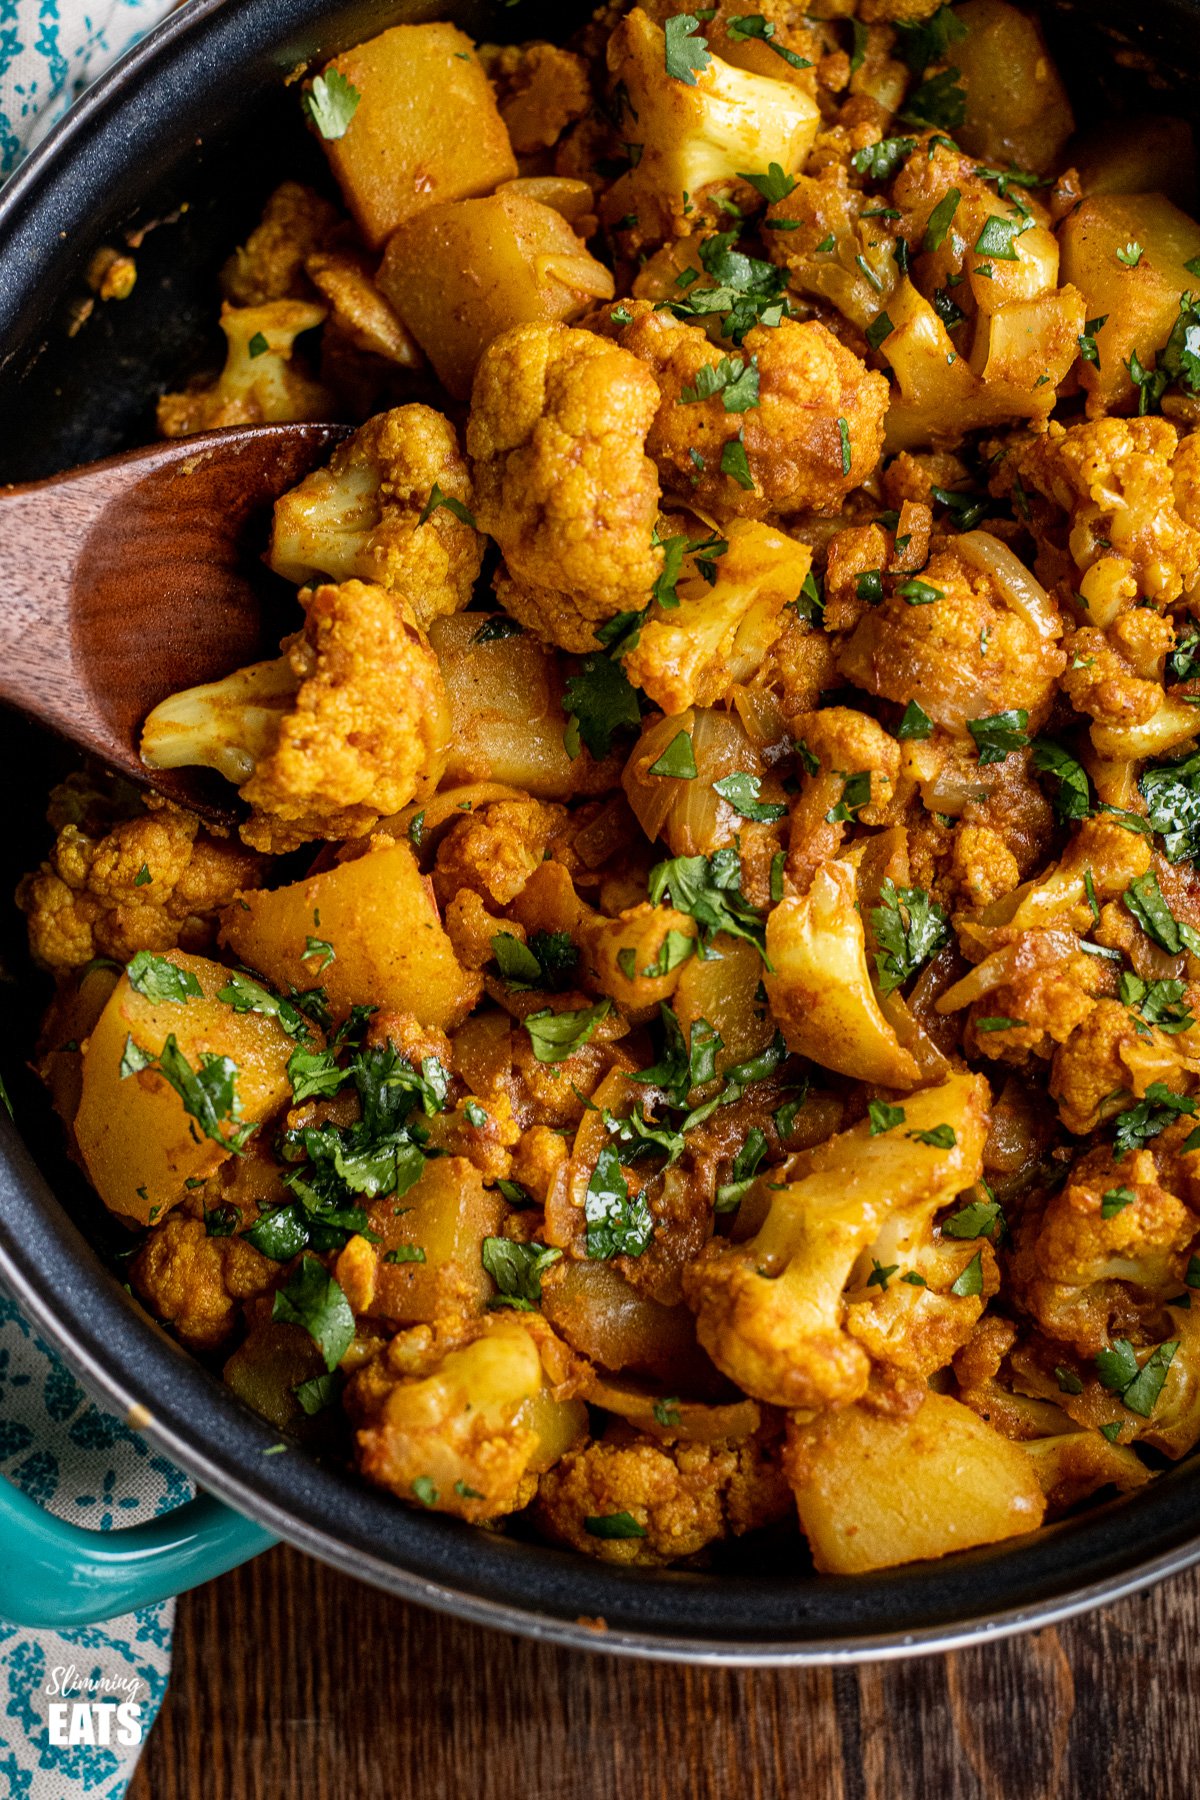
60,1575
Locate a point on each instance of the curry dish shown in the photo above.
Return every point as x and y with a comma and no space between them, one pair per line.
695,1030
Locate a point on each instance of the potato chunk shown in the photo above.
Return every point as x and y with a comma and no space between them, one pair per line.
460,274
426,127
376,914
874,1491
445,1218
1140,304
137,1141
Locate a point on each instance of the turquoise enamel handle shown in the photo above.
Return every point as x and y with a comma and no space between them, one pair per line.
59,1575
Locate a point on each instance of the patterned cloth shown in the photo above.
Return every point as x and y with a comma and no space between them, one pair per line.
50,50
86,1466
73,1459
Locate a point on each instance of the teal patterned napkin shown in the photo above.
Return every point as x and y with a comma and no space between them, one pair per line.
55,1444
89,1467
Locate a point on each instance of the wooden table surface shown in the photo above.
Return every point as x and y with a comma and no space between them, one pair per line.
292,1682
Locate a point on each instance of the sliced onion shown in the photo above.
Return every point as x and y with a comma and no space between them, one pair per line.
443,808
1021,591
689,815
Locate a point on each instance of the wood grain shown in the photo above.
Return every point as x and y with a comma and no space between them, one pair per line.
141,575
291,1680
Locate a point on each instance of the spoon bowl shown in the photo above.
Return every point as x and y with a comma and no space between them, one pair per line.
134,577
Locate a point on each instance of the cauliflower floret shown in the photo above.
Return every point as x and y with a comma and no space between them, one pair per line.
260,384
346,727
1040,983
1114,479
814,431
691,653
964,655
699,133
770,1311
197,1283
1082,1274
494,851
839,743
681,1496
364,515
464,1417
1113,1054
819,986
540,89
150,883
270,265
556,438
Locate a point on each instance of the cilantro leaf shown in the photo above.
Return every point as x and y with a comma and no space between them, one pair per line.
557,1035
915,723
245,995
331,103
686,56
774,186
938,1137
996,240
744,1171
909,928
1138,1385
517,963
517,1271
979,1218
599,701
162,981
1171,791
613,1525
999,733
745,290
736,464
319,948
1144,899
736,382
496,629
312,1299
1159,1108
1073,796
1115,1200
927,40
741,791
970,1282
618,1224
1161,1003
939,102
940,220
709,888
437,500
884,1117
755,25
880,161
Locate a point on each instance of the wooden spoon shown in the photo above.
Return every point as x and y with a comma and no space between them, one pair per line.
131,578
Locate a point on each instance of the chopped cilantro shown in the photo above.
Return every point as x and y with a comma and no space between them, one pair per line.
618,1223
879,330
884,1117
614,1525
311,1298
880,161
1171,791
1115,1200
978,1219
774,186
736,382
318,948
517,1271
1150,1116
999,733
915,723
557,1035
970,1282
599,701
1073,795
741,791
1088,348
1144,899
331,104
742,1175
686,55
162,981
677,762
709,889
940,220
736,464
996,238
909,928
940,102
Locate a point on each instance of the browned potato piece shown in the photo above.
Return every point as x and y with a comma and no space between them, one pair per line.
460,274
426,128
1142,303
1017,107
446,1215
506,710
377,914
136,1139
874,1491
